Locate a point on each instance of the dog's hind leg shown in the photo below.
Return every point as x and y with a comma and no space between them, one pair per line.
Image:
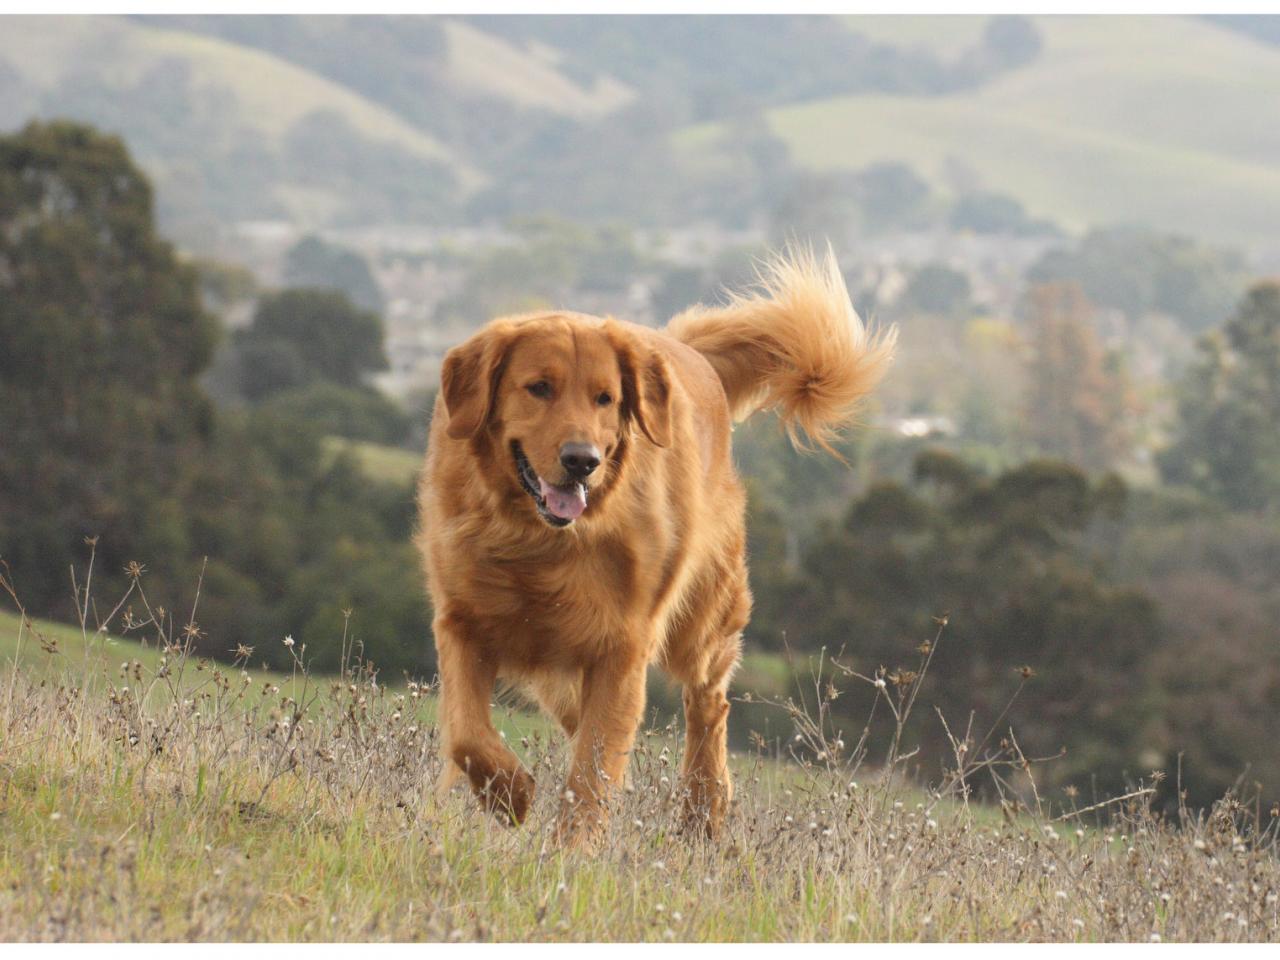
560,695
706,757
448,777
701,654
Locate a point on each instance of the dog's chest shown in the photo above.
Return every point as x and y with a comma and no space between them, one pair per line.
568,607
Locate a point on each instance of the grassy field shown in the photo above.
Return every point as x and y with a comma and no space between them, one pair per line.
49,653
377,461
485,63
283,808
1141,119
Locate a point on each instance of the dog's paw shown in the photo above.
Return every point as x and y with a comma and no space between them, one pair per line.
699,822
507,794
705,808
577,835
580,827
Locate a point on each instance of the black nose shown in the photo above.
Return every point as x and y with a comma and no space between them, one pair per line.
579,459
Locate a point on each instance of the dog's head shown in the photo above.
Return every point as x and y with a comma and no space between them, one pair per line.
557,398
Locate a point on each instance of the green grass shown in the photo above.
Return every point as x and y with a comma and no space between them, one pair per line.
148,796
192,818
45,651
378,461
145,796
30,646
1158,120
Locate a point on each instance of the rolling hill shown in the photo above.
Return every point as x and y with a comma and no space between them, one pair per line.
225,130
1163,121
270,94
1167,121
483,63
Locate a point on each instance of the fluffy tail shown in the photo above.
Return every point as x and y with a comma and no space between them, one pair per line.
794,344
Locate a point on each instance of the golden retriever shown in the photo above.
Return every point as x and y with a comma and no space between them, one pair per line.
581,518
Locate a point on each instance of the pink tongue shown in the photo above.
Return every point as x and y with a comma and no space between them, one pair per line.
565,504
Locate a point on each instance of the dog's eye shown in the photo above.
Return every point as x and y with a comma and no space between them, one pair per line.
540,389
604,400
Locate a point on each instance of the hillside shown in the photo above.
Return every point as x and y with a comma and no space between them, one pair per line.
1156,120
480,62
270,94
329,122
220,808
225,130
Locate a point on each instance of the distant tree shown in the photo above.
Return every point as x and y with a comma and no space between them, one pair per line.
996,213
1227,443
1006,558
890,194
553,259
224,284
749,132
1077,397
300,337
602,257
316,264
106,433
678,288
1011,41
1219,663
992,381
1139,272
816,208
936,288
358,414
102,338
1007,43
950,475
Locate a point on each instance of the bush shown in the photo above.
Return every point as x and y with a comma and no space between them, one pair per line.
1007,560
354,413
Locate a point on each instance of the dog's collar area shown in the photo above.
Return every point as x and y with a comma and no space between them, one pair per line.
532,485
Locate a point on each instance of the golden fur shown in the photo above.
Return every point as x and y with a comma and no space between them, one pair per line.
654,570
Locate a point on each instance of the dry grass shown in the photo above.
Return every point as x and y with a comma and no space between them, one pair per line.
1088,133
175,800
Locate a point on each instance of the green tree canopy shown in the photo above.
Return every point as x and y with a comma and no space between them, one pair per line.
1140,272
1009,559
103,336
936,288
891,195
105,433
311,262
1227,442
1077,396
300,337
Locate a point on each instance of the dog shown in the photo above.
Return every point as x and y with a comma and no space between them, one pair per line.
581,518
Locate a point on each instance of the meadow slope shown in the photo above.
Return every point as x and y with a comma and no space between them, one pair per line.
1160,120
173,801
124,73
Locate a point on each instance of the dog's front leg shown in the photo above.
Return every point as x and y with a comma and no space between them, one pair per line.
612,706
470,740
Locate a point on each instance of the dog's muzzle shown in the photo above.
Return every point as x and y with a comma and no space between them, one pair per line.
558,504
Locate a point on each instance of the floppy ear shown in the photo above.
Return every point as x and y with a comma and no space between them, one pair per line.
646,389
469,381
